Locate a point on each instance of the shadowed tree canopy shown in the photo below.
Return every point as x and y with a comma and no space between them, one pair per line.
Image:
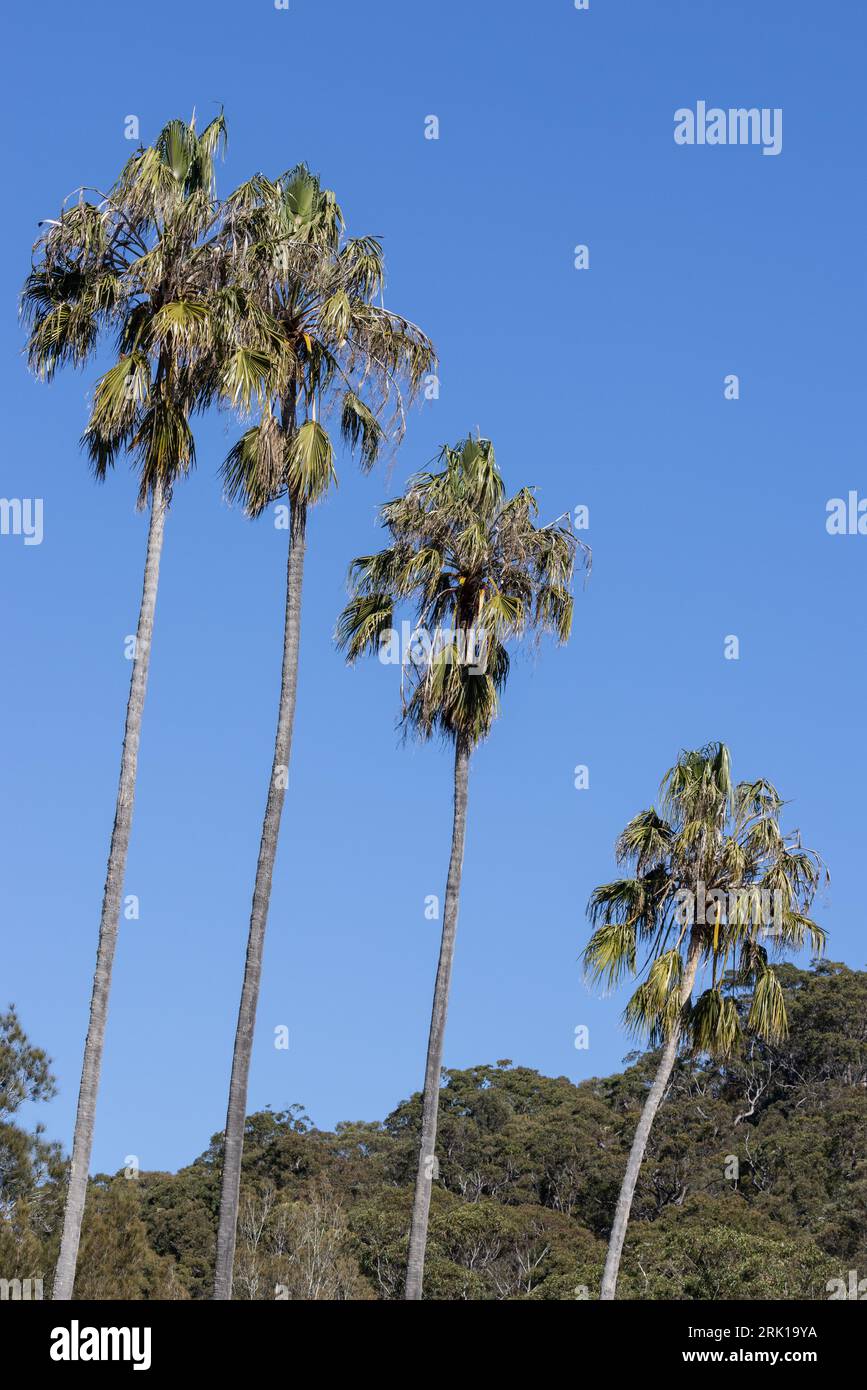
529,1173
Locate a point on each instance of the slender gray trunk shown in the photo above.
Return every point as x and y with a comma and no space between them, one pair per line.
642,1134
64,1275
433,1068
237,1109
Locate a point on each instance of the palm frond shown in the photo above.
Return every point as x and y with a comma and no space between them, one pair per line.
310,462
362,623
714,1024
361,429
767,1016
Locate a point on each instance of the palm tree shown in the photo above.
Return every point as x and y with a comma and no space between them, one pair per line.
137,263
713,874
321,344
480,571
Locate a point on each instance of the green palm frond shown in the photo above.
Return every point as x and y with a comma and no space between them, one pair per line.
664,978
165,445
362,624
254,471
212,144
798,928
181,325
609,955
767,1016
120,394
759,798
646,841
714,1024
500,613
336,315
362,266
700,782
653,1014
361,429
245,376
555,607
308,211
623,900
310,462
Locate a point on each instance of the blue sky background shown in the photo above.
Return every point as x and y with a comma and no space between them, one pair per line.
602,388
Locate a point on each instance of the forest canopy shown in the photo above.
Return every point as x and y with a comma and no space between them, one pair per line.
754,1185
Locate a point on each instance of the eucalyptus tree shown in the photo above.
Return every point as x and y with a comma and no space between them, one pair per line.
321,348
137,265
480,572
713,876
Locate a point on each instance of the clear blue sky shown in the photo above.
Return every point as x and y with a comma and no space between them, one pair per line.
602,388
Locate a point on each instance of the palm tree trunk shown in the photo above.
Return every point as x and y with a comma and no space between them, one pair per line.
64,1275
433,1067
642,1134
237,1109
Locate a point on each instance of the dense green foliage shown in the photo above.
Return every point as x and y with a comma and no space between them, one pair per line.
530,1168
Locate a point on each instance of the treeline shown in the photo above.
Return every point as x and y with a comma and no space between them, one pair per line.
754,1184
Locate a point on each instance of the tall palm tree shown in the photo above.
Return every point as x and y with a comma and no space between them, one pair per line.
713,876
480,572
321,345
137,263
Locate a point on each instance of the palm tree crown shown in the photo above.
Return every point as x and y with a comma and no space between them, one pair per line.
319,346
479,570
714,877
141,262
